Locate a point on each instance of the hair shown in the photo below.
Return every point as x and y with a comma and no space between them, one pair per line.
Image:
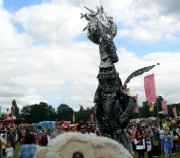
29,139
59,123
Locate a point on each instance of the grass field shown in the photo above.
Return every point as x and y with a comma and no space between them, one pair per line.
176,155
17,150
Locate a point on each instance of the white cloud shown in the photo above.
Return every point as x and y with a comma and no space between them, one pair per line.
167,74
60,19
165,6
10,39
51,22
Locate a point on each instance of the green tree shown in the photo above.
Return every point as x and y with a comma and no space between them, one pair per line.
83,113
64,112
158,107
144,110
15,109
171,106
38,112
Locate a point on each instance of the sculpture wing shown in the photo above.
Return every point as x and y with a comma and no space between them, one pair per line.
137,73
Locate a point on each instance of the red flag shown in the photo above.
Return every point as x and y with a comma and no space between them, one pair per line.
174,112
164,107
149,87
137,107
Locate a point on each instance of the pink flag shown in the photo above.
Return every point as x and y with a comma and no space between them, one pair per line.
174,112
137,107
164,107
149,87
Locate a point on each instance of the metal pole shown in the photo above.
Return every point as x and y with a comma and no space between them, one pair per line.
157,110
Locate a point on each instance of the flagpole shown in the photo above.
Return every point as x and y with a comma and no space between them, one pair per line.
157,110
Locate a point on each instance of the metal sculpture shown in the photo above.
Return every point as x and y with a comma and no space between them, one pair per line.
113,106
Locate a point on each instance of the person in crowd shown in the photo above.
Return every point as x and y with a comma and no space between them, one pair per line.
28,149
81,127
161,132
139,142
44,139
39,133
9,152
132,134
48,135
58,131
149,147
166,144
175,139
3,143
35,136
171,134
11,138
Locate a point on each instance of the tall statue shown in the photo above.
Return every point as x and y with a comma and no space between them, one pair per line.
113,106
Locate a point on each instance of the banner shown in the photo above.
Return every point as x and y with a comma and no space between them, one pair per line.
150,92
151,107
149,87
137,107
174,112
164,107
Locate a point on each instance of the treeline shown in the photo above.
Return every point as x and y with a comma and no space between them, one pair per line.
44,112
145,113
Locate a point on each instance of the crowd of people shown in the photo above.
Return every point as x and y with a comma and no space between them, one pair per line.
154,137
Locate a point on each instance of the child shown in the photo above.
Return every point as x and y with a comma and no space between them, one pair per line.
9,152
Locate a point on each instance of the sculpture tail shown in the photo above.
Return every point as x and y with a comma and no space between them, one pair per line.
138,73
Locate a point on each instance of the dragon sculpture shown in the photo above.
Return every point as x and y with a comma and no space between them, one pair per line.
113,106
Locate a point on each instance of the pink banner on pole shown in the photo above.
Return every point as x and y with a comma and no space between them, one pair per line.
137,107
164,107
149,87
174,112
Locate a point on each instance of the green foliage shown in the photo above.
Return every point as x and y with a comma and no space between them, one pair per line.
83,113
38,112
64,112
158,107
44,112
144,111
15,108
171,106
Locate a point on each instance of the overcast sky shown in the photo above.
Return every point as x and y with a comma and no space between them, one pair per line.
46,56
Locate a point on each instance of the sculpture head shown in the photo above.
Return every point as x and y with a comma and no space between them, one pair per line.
99,25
